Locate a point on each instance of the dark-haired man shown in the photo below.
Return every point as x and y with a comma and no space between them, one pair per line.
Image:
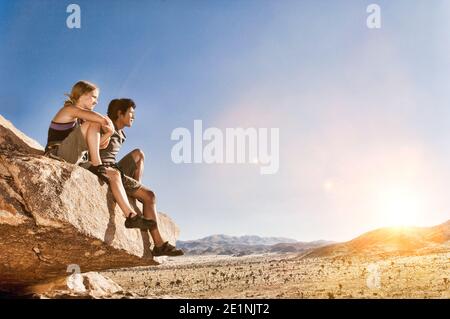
130,169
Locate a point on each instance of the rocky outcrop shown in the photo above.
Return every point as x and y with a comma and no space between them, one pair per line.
15,141
54,214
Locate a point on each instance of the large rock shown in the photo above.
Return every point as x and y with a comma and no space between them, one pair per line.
54,214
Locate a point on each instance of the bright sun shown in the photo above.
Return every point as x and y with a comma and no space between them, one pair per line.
400,206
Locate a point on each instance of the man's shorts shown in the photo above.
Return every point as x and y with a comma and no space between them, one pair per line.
127,167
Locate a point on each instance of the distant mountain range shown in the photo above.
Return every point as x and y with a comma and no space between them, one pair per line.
383,241
392,240
245,245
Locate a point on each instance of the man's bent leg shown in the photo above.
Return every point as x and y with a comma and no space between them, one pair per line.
148,200
139,159
133,220
120,196
132,164
135,190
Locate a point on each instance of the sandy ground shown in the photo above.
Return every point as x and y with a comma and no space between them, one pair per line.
289,276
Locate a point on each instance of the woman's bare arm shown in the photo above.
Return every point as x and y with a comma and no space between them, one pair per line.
70,113
91,116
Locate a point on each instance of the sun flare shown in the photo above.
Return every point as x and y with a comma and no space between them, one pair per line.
400,207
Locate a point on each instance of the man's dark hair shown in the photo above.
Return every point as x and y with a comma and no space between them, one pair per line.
119,105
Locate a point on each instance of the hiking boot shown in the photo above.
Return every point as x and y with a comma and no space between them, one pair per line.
140,222
166,250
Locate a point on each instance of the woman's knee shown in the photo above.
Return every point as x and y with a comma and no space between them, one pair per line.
138,155
90,127
93,126
149,195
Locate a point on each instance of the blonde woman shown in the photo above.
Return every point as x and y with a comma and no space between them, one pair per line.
76,129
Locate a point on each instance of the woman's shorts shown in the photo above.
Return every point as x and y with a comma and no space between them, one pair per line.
73,148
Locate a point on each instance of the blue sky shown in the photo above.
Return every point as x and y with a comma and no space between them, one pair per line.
363,113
